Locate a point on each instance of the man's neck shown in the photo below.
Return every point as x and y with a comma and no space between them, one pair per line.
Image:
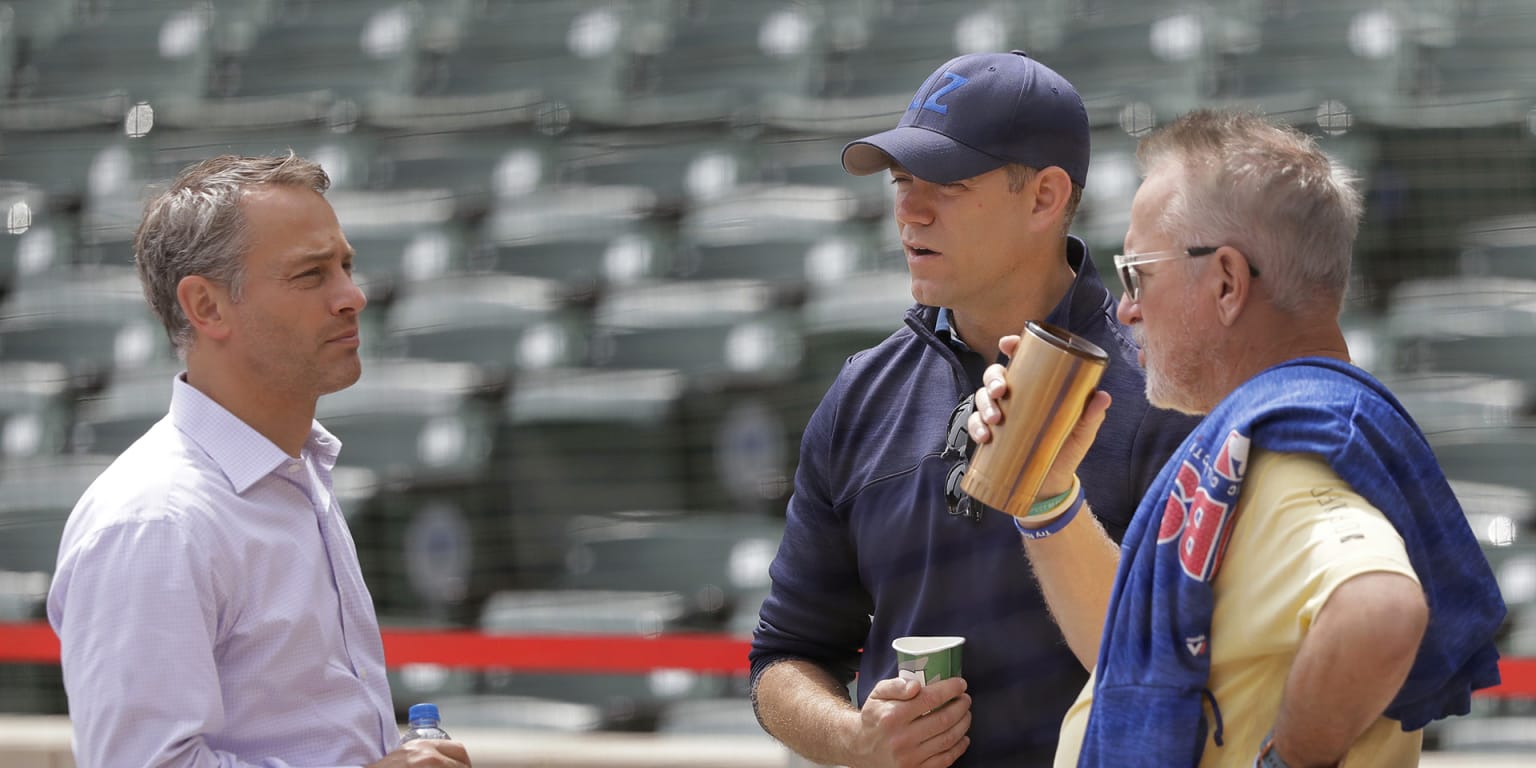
981,325
1263,343
275,415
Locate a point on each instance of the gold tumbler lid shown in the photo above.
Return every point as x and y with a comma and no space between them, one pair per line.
1067,341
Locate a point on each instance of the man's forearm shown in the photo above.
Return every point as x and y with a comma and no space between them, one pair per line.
803,706
1076,570
1349,667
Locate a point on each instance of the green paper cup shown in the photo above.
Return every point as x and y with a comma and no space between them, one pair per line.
927,659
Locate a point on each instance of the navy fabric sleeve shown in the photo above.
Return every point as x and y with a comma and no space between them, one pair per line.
817,608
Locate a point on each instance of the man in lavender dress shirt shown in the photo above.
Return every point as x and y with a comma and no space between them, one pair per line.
208,599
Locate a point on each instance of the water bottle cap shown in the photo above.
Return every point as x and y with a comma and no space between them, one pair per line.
423,712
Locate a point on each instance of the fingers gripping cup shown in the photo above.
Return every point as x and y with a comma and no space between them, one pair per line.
1050,378
927,659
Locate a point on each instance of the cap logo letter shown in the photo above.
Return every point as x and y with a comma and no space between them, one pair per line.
932,104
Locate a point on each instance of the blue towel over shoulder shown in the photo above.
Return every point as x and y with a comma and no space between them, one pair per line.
1154,663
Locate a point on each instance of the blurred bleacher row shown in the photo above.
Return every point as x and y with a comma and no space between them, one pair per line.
613,263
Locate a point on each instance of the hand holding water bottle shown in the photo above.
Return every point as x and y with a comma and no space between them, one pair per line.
425,744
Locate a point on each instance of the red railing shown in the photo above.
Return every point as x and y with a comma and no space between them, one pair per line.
707,653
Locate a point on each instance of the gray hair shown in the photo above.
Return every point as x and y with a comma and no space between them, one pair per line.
196,227
1266,190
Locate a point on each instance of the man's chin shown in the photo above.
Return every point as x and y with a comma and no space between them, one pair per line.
342,379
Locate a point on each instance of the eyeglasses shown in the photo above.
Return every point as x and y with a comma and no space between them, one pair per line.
958,445
1126,265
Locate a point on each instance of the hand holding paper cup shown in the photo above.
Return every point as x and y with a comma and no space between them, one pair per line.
927,659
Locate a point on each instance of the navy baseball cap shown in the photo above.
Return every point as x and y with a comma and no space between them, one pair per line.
978,113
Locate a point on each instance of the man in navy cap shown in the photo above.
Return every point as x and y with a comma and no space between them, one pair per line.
988,164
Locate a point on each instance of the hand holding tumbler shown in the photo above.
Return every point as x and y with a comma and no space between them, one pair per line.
1050,378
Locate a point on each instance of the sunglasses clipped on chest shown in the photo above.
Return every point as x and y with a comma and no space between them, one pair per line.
958,447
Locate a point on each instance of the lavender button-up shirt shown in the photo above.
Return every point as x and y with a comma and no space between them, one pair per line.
210,606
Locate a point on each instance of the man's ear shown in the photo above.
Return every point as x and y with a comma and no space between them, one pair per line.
1235,283
1053,190
206,305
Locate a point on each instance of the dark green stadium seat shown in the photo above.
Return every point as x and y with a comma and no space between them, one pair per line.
1493,455
580,246
875,57
1478,325
1482,55
611,701
132,401
718,330
150,51
346,157
857,314
811,162
789,236
1442,402
75,157
678,167
37,408
94,322
583,441
1499,247
715,59
1160,57
1292,57
431,532
636,576
565,52
350,48
735,421
36,496
713,561
479,167
500,322
1105,211
32,238
400,237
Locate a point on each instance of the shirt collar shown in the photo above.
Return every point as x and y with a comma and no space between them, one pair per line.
1078,303
944,326
241,453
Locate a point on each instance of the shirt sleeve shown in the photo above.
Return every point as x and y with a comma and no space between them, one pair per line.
137,617
817,608
1316,532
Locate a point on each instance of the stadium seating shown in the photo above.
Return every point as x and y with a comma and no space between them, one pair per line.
351,48
148,50
432,530
36,495
37,408
587,248
748,50
94,322
791,237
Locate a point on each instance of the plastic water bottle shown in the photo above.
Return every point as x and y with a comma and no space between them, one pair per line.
423,724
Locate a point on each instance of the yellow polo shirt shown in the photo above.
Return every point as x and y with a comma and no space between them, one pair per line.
1301,532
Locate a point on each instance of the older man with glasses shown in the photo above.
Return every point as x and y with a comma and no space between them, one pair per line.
1299,587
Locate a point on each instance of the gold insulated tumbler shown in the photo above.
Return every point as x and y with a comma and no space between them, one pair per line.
1050,378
